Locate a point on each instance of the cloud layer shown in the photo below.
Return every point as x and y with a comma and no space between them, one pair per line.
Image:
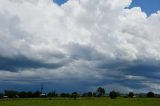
87,43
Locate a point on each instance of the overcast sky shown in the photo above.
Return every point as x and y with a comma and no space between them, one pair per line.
79,45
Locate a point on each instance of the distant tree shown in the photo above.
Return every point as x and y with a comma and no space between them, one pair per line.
67,94
52,94
11,93
74,95
84,94
64,95
113,94
88,94
1,95
94,94
29,94
23,94
131,94
36,94
150,94
100,91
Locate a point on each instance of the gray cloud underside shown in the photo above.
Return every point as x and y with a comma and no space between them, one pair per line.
20,62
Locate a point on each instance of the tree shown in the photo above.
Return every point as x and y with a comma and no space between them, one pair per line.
1,95
23,94
64,95
150,94
74,95
131,94
29,94
36,94
88,94
94,94
52,94
10,93
113,94
100,91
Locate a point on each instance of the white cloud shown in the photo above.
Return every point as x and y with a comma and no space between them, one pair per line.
131,77
43,27
83,33
154,86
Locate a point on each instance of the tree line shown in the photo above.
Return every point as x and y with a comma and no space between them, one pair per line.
100,92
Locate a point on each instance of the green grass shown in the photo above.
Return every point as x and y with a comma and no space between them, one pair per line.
82,102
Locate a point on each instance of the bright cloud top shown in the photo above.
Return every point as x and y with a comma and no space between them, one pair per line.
83,40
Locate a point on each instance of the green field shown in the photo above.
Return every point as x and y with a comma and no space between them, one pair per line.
82,102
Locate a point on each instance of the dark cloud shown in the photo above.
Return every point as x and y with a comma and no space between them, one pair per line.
85,52
142,69
76,46
21,62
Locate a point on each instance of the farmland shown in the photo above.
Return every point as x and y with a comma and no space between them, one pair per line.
103,101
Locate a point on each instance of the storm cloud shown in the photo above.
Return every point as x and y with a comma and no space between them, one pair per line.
89,43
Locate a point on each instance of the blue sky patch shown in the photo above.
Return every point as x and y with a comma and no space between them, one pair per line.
60,2
148,6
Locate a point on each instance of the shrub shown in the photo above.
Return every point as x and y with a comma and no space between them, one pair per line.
113,94
100,91
74,95
150,94
131,94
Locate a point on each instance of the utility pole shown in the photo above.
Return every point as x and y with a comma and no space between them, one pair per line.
42,88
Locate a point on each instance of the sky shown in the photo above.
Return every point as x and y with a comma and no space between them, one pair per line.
80,45
148,6
60,2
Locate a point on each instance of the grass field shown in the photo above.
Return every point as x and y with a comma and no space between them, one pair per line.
82,102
